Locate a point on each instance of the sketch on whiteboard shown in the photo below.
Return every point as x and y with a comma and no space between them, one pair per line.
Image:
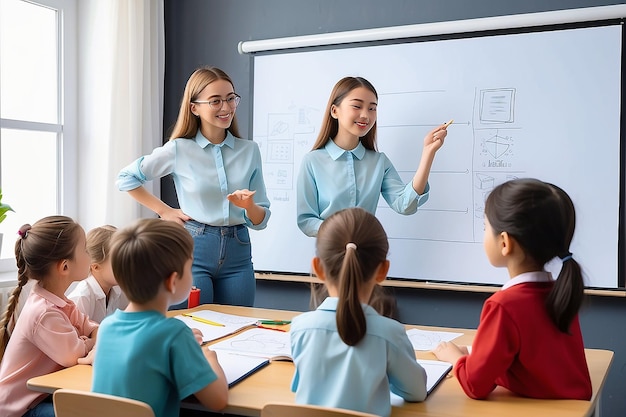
497,105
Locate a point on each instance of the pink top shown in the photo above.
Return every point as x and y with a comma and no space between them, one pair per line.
51,333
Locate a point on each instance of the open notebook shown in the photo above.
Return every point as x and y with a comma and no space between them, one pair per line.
215,325
262,343
436,371
245,353
237,367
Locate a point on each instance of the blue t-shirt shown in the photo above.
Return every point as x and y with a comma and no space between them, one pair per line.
150,358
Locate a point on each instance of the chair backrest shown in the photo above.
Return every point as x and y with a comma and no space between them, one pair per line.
303,410
74,403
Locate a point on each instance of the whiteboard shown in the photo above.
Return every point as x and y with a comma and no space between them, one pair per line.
542,104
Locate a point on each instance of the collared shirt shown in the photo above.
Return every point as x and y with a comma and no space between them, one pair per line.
332,179
204,174
92,301
51,334
332,374
536,276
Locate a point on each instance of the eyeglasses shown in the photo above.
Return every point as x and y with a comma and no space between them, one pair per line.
216,103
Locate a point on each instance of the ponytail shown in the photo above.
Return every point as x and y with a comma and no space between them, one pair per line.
566,295
351,245
7,323
350,317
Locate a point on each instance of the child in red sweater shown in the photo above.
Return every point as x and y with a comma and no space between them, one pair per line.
529,338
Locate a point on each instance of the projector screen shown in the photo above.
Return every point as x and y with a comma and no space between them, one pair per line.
543,104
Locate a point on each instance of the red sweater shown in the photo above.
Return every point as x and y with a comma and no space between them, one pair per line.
518,347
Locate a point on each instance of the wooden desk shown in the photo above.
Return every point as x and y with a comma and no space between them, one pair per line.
272,384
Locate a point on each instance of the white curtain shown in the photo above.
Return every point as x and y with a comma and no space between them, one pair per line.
121,48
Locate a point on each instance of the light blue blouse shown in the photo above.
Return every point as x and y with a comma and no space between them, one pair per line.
332,179
204,174
333,374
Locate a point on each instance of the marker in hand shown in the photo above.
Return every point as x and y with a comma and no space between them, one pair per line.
448,124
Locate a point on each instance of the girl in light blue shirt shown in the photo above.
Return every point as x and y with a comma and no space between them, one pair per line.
347,355
219,185
344,169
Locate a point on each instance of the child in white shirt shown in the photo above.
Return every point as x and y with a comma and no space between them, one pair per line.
99,295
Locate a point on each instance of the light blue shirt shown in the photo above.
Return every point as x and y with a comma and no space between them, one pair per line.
204,174
150,358
332,374
332,179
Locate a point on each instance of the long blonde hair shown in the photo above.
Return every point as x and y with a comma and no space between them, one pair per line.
187,124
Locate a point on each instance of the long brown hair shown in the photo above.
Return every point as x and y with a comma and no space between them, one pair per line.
541,218
187,124
38,247
330,125
348,267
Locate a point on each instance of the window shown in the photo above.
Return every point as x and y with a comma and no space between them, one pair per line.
37,114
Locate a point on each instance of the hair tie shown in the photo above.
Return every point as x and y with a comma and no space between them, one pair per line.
566,257
350,245
23,232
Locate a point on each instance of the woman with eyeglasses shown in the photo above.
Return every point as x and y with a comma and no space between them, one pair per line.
219,183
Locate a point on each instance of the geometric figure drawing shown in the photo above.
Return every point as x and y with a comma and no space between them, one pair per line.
497,146
484,182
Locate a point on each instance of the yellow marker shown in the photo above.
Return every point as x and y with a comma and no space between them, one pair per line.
448,124
205,321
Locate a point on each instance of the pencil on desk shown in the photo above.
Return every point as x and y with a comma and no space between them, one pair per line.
201,320
270,328
274,322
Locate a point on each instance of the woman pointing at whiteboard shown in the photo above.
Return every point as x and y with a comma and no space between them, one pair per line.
344,169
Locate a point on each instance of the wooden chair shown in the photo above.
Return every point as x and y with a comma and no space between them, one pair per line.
302,410
75,403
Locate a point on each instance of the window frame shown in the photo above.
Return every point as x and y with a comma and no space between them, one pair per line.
66,127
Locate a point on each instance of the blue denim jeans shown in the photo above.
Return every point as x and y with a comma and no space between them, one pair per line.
222,264
43,409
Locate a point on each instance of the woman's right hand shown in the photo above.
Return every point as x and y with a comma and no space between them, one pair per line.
175,215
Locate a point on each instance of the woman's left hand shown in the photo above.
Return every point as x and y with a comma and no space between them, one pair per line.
242,198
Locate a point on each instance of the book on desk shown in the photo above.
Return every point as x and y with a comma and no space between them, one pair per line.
267,345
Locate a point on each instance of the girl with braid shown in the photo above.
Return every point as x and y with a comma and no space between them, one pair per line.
346,354
527,223
51,332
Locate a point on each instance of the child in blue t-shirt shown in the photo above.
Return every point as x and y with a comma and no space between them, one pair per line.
141,354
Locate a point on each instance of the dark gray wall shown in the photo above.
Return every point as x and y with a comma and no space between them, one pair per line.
207,32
